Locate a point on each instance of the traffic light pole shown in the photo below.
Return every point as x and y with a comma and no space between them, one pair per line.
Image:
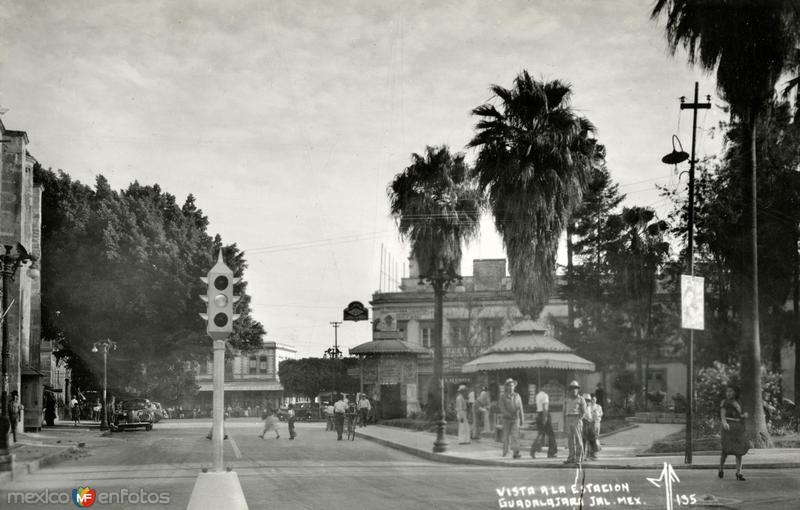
219,403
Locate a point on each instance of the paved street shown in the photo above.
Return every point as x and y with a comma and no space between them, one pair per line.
316,471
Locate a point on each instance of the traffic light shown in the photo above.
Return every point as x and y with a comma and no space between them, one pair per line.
219,312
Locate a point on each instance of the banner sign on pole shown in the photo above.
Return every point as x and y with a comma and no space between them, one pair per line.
692,302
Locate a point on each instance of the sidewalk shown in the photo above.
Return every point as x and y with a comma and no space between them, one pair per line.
615,454
36,450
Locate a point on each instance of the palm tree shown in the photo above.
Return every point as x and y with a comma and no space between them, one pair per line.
750,45
535,155
437,206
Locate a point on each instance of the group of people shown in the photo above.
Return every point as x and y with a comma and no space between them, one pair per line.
583,415
335,413
472,413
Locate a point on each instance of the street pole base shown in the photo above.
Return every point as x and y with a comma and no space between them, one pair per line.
218,490
440,445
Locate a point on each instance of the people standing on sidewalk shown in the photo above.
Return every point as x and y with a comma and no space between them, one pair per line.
734,439
589,437
462,415
75,411
597,417
574,409
510,406
270,418
339,409
290,420
484,404
14,412
364,407
544,425
472,413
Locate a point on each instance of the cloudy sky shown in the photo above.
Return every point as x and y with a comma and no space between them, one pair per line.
287,120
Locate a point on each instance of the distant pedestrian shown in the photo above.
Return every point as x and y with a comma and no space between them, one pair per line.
574,409
290,419
364,407
474,413
339,410
544,424
510,406
484,404
75,411
270,423
589,437
14,412
462,415
597,418
600,394
329,417
734,440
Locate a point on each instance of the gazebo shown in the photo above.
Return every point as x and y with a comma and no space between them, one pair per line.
531,356
388,372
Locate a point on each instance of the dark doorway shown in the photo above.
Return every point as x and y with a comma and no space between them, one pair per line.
391,405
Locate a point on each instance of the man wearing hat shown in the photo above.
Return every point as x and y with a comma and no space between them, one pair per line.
590,448
510,406
574,410
461,415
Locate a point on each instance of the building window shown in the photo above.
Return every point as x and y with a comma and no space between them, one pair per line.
204,368
252,365
459,332
491,331
426,335
262,365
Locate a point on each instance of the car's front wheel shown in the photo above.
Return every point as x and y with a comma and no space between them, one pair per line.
148,427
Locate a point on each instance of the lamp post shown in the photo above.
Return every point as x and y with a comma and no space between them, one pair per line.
105,345
440,282
674,158
10,260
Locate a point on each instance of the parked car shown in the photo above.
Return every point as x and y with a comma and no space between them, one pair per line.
159,413
132,413
302,412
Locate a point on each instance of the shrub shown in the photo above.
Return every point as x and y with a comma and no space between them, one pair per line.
781,414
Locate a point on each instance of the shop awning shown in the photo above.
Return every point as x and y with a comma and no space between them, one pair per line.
512,360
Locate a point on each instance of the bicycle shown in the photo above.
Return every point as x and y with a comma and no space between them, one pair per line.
351,426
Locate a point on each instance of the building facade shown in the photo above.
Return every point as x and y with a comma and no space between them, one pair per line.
20,223
251,378
478,312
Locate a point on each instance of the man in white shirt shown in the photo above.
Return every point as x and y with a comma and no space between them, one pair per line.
364,408
75,411
339,408
545,426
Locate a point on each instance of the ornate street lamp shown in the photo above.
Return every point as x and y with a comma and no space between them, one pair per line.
105,345
12,258
440,282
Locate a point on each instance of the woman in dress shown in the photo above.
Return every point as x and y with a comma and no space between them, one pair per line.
734,440
462,414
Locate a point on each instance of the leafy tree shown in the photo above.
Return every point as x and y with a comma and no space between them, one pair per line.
437,208
309,377
125,265
750,45
534,158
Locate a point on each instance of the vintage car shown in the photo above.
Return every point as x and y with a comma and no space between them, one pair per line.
159,413
132,413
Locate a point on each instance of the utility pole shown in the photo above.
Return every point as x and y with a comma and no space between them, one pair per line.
335,352
696,105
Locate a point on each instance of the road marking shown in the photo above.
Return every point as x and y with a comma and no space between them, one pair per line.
235,447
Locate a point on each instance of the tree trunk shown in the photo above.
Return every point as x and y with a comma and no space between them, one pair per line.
570,280
750,351
796,312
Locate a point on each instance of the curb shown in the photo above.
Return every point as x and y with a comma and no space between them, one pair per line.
30,467
449,459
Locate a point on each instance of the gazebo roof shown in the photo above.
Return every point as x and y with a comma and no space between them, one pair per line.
527,345
389,347
528,336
